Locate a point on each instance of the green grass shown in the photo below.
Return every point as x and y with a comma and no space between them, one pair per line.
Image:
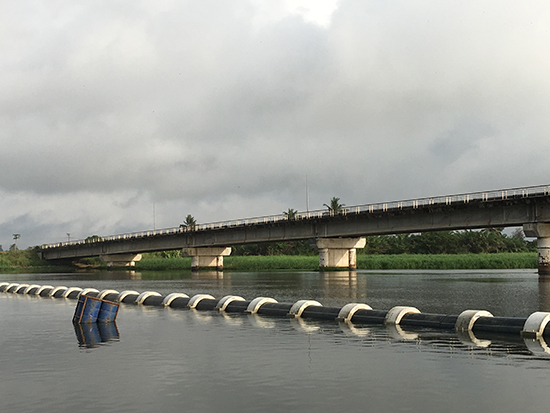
365,262
274,262
239,263
448,262
28,260
158,264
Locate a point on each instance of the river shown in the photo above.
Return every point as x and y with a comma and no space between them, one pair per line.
169,360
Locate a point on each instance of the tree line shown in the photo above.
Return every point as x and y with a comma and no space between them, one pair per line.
492,240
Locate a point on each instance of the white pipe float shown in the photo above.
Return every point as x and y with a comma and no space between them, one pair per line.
56,289
196,299
71,290
535,324
124,294
395,315
228,299
256,303
467,319
104,293
143,296
299,306
19,287
347,311
171,297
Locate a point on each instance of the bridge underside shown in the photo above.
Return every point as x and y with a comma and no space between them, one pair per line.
472,215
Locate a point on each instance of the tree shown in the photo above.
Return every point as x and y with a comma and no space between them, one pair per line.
518,233
190,223
93,238
15,238
335,207
290,214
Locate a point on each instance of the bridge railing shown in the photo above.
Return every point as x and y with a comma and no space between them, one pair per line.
380,207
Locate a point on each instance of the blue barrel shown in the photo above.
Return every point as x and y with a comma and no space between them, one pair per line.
87,335
87,311
107,312
78,310
108,331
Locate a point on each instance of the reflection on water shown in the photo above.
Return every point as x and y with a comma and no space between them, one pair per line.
544,294
469,338
207,275
91,335
346,283
209,361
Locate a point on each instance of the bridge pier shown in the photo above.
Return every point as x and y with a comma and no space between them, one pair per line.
120,260
339,252
542,232
209,257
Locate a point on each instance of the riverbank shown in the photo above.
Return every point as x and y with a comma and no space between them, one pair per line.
364,262
28,261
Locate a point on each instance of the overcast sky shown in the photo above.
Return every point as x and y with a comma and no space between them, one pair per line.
120,116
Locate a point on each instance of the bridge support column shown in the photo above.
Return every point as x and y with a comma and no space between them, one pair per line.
208,257
339,252
120,260
542,232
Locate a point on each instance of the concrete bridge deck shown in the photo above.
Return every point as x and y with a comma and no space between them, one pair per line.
528,207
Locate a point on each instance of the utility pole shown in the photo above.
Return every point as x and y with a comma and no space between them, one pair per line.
307,197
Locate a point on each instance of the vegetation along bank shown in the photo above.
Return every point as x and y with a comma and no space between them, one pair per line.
434,250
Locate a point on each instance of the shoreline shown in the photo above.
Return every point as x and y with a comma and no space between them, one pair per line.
364,262
507,260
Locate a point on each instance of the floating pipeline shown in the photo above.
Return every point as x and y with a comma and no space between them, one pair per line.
471,326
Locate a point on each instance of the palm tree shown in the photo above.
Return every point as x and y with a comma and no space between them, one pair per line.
335,207
290,214
15,238
190,223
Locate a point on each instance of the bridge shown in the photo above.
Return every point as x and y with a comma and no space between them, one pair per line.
336,235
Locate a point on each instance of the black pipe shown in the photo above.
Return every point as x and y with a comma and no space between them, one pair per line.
153,300
111,297
509,325
274,309
437,321
369,317
206,304
179,302
320,313
59,293
73,295
237,306
46,292
130,299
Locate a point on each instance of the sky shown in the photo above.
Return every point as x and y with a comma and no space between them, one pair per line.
123,116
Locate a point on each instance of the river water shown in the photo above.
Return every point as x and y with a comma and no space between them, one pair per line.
169,360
